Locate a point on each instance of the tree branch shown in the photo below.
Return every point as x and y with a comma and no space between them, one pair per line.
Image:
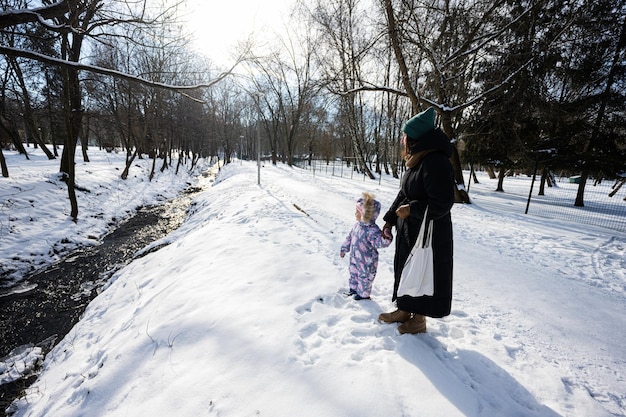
374,88
114,73
13,17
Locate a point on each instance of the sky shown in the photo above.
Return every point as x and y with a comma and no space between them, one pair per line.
220,26
241,312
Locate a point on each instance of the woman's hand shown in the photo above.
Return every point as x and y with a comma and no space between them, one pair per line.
403,211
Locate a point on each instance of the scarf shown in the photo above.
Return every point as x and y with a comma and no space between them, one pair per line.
411,160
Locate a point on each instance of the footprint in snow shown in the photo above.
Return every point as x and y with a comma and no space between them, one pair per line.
334,322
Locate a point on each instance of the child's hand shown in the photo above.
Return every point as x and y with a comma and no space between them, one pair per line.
387,231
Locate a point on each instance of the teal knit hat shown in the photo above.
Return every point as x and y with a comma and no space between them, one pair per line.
420,124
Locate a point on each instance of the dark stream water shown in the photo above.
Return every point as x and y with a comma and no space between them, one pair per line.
60,293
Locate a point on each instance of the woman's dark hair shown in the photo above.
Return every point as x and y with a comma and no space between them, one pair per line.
408,144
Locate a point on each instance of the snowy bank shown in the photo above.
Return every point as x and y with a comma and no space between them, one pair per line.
35,226
242,314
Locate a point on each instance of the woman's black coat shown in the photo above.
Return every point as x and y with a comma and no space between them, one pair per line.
429,184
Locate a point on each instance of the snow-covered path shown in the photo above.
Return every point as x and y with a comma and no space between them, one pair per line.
243,315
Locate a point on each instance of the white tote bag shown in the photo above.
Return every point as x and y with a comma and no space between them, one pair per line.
417,275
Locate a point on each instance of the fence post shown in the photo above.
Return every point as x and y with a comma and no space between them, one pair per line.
530,193
469,180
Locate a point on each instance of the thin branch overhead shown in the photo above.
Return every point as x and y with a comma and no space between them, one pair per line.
6,50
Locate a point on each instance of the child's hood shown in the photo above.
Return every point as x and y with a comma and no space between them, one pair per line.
376,211
369,208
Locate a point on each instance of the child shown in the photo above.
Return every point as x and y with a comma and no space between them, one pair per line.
362,242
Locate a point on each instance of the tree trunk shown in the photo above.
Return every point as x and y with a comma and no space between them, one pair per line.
606,96
165,161
194,160
84,140
154,157
392,30
179,163
580,195
129,161
474,177
360,159
73,116
3,165
29,120
542,183
15,138
501,176
460,193
617,186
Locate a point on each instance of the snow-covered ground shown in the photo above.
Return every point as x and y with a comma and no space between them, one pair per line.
35,227
242,314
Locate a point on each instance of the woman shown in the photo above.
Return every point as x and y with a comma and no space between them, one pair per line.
427,182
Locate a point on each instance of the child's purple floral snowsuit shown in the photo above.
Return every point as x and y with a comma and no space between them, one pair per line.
362,243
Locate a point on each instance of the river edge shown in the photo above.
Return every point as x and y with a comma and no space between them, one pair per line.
52,299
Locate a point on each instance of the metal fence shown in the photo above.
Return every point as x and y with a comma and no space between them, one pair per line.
521,196
334,168
557,202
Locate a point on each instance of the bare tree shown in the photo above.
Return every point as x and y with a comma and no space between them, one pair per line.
436,47
76,23
341,54
286,77
611,77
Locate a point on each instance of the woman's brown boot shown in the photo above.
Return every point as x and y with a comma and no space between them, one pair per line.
397,316
417,324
